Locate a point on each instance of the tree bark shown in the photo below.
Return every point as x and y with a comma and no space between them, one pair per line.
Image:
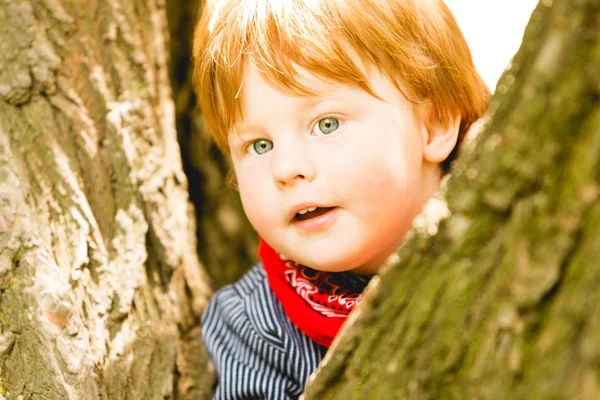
501,302
100,286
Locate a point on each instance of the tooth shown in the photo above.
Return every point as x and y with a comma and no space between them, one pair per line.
312,208
302,212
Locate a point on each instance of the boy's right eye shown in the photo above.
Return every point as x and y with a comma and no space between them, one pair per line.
261,146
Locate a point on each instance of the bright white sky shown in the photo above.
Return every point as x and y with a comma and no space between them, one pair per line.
493,29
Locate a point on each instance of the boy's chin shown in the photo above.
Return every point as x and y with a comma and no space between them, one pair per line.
344,262
324,264
339,264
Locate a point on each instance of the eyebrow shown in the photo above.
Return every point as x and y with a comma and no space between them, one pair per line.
243,129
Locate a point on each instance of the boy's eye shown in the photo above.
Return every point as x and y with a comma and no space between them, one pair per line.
328,125
261,146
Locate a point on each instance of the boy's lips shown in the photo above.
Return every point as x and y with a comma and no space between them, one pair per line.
319,219
302,207
312,212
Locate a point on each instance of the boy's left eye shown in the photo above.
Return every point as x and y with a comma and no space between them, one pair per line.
328,125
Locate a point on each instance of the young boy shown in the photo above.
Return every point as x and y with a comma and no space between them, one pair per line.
340,117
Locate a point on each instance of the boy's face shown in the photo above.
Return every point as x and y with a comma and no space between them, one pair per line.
363,162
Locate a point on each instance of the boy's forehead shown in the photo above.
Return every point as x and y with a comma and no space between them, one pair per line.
256,82
254,78
304,77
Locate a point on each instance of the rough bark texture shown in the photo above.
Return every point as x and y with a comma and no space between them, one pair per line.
226,241
503,301
100,286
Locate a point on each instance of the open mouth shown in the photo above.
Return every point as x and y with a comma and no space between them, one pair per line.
312,213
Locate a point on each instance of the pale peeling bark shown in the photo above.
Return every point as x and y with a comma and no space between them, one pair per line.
100,286
503,301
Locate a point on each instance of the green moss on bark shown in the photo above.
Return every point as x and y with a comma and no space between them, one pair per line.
500,303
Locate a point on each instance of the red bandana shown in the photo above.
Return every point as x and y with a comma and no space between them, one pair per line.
316,302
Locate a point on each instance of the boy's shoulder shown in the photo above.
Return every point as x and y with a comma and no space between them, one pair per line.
256,350
253,281
245,309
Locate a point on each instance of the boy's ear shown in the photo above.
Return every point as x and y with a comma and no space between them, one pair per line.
439,138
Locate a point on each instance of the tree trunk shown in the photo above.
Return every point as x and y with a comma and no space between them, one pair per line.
100,286
502,302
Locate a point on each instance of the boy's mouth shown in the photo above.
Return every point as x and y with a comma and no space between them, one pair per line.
306,214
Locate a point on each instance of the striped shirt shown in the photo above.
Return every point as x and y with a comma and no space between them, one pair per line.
256,350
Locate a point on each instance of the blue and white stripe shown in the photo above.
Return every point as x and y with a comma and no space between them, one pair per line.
256,350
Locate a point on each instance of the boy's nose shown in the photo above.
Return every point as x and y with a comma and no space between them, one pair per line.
292,165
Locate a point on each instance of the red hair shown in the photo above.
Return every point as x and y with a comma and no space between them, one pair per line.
416,43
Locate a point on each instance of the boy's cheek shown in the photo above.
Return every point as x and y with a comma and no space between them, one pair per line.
255,204
373,178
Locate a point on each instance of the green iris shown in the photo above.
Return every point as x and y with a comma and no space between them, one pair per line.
261,146
328,125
